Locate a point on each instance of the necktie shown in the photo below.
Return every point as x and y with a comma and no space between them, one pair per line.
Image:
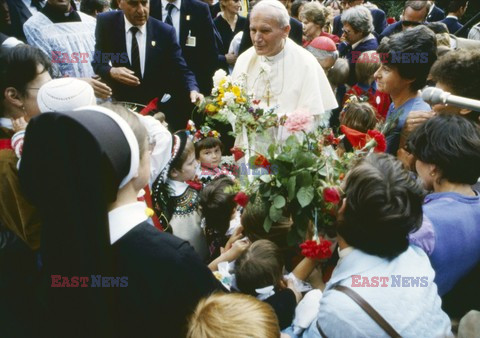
135,53
169,8
37,4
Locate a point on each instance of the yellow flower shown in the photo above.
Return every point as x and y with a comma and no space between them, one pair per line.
241,100
211,108
215,133
236,91
221,83
149,212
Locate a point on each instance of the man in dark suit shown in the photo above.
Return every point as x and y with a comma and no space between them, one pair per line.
144,57
379,18
20,12
436,13
414,14
296,34
456,9
195,35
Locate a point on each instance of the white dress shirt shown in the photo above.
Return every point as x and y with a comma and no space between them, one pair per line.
141,41
123,219
175,15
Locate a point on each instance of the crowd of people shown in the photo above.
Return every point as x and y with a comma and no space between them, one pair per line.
121,217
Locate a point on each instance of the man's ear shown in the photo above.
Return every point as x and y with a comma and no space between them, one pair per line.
173,173
12,96
465,111
286,31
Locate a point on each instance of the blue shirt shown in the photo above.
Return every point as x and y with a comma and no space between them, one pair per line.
393,138
450,234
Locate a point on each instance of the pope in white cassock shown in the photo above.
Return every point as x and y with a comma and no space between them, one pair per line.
280,72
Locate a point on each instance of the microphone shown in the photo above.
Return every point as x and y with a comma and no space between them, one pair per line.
434,95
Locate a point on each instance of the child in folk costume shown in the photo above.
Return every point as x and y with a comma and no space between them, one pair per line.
174,200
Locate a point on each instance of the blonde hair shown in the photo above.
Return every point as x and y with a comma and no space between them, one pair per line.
228,315
316,13
365,67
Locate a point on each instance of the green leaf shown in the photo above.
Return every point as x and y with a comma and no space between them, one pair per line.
305,179
284,158
305,160
291,141
267,224
305,196
266,178
275,214
271,150
279,201
291,187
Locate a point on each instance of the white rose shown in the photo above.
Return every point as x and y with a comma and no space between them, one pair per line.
218,76
229,98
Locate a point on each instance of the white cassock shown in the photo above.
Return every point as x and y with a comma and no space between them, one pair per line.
294,80
60,39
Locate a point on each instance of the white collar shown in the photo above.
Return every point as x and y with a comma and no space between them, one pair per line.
178,188
177,4
452,16
123,219
344,252
129,25
431,8
6,123
368,37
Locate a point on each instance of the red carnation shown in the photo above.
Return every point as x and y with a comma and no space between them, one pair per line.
241,199
331,139
331,195
237,153
315,250
261,161
391,20
195,185
380,139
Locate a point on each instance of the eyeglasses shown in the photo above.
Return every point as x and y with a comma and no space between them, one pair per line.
346,32
407,23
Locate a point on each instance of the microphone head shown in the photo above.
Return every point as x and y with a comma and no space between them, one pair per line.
434,95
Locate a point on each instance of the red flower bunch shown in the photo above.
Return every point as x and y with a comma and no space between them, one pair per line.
316,250
237,153
380,139
391,20
195,185
331,139
241,199
331,195
262,161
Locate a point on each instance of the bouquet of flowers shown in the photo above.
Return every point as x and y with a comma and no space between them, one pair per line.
230,103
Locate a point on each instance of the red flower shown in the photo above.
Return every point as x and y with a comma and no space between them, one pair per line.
237,153
331,195
331,139
256,102
195,185
315,250
391,20
380,139
261,161
241,199
151,107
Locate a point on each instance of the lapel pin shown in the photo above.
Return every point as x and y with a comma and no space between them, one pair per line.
188,18
153,43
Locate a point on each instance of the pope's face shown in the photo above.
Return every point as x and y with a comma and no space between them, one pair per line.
136,11
267,36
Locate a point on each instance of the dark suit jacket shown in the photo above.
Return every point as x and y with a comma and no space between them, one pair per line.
437,14
346,51
453,25
202,59
166,279
390,30
296,34
19,14
379,22
163,59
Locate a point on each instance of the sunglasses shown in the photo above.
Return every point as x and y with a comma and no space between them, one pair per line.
407,23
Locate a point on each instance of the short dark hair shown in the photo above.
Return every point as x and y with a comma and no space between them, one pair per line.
416,40
360,116
455,5
259,266
383,205
452,144
91,6
460,70
207,143
217,204
295,8
437,27
18,67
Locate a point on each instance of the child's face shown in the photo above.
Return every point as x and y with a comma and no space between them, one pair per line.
211,156
188,170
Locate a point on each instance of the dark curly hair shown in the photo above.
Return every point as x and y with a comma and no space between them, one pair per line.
416,40
383,205
452,144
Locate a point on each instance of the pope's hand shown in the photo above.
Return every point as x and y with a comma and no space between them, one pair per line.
196,97
124,75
